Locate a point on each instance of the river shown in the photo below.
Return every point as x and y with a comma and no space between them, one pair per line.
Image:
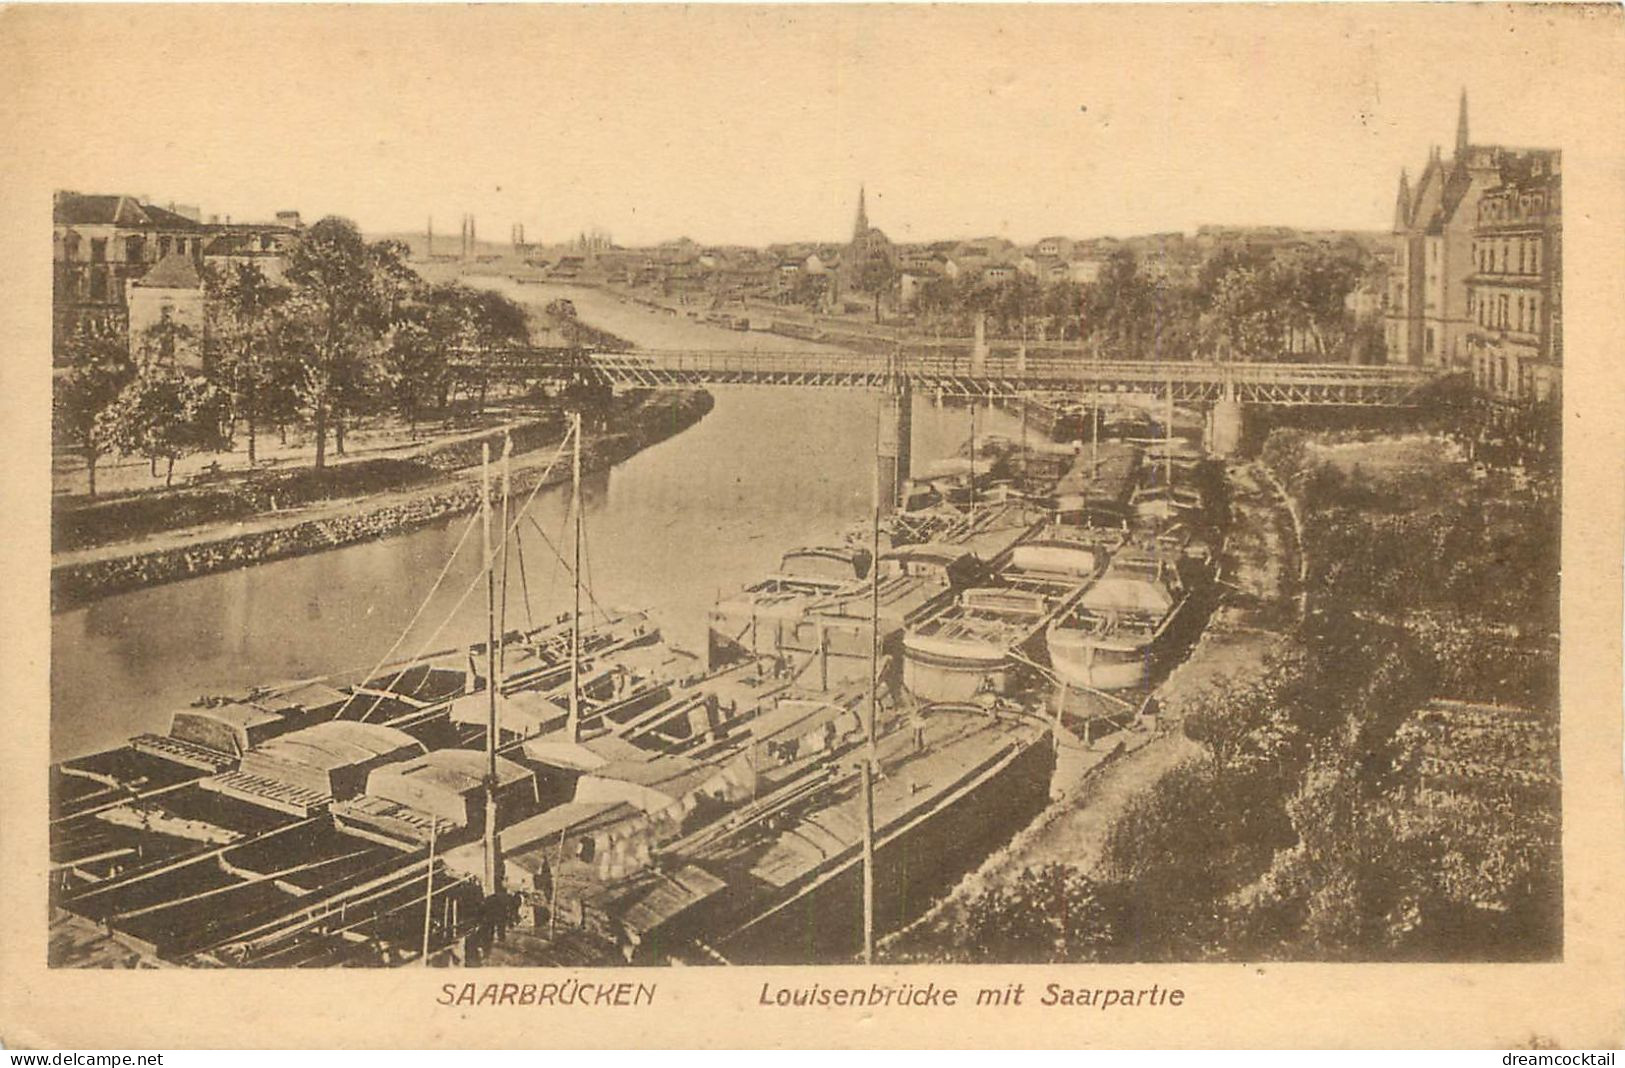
667,530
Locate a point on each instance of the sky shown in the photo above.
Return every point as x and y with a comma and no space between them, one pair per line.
753,125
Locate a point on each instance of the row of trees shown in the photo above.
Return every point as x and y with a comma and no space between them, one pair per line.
350,330
1243,303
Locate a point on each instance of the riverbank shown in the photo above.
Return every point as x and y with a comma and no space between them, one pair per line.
83,575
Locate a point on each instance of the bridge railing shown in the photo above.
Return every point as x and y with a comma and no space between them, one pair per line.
1003,373
1002,366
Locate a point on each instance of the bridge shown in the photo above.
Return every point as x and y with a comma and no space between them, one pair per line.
1000,375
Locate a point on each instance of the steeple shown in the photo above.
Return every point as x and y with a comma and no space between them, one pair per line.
860,227
1461,126
1402,207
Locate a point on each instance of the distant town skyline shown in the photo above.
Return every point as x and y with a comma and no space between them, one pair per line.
757,125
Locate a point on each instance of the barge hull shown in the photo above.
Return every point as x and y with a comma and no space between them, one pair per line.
915,863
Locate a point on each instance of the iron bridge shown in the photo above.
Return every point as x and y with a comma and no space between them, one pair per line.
999,375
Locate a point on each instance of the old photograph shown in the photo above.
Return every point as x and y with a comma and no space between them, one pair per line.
631,487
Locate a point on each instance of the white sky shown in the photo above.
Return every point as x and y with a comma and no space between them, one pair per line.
752,125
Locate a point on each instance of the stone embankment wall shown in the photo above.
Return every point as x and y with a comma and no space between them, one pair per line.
662,416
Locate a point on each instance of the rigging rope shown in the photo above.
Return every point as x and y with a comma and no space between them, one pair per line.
567,568
410,663
524,582
444,571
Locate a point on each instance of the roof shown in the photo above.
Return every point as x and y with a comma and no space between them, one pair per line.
245,242
232,714
525,713
117,210
572,816
337,743
302,695
457,771
557,750
174,271
530,844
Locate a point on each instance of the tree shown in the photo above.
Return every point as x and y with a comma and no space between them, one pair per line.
99,369
336,300
1050,914
492,322
164,414
413,363
876,276
1118,305
241,312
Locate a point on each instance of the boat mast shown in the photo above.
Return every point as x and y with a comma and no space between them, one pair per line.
575,619
428,892
868,763
502,620
492,882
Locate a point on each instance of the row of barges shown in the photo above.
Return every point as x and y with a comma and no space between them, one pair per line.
617,799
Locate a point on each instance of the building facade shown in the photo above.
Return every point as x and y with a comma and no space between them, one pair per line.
169,295
121,266
102,244
1515,293
1428,321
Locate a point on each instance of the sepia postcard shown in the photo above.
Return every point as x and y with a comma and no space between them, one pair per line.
837,525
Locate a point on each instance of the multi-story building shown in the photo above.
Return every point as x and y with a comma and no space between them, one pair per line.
100,245
262,245
1428,321
1515,293
122,265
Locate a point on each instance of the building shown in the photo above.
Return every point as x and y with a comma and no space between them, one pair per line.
263,245
100,245
1515,293
1054,248
123,265
170,293
869,244
1428,321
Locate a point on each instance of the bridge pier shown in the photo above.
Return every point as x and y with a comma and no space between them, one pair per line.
896,444
1226,421
978,351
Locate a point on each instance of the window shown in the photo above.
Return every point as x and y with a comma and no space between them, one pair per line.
98,283
1534,258
98,250
1430,341
1521,320
163,247
135,249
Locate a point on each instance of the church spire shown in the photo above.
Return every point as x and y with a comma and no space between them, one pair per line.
861,227
1461,126
1402,206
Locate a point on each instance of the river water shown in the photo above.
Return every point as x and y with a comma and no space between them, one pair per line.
667,530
